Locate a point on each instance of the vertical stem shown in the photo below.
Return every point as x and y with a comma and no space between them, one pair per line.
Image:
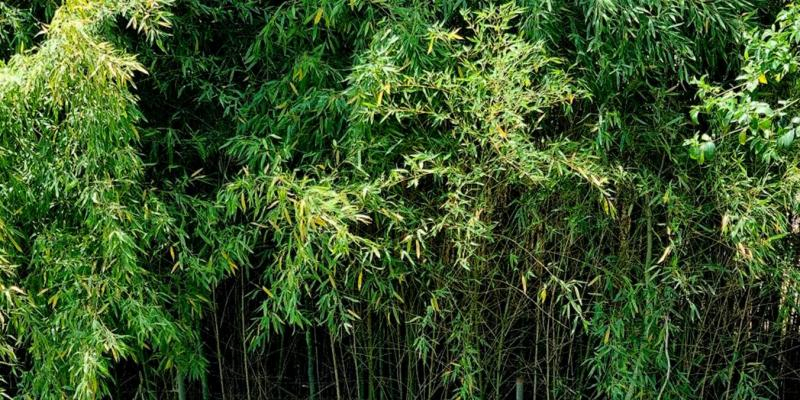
204,383
281,360
316,363
548,382
312,383
666,354
245,362
520,387
410,370
379,348
398,361
179,384
370,359
538,370
143,385
341,351
430,377
216,342
359,382
335,367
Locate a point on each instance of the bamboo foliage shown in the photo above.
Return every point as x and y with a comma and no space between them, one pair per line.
447,199
77,224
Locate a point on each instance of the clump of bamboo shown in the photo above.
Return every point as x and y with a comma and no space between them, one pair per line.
398,199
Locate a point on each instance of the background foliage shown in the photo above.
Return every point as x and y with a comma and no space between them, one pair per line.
399,199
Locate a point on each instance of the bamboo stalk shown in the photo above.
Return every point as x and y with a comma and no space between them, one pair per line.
370,359
410,367
335,367
312,382
204,383
181,388
245,362
216,343
359,382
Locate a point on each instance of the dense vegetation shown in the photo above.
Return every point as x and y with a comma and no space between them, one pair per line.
399,199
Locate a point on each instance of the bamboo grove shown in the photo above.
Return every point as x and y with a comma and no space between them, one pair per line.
399,199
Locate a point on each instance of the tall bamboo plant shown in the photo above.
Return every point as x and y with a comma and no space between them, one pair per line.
449,199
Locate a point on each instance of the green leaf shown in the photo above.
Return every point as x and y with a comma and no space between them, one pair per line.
786,139
694,115
707,149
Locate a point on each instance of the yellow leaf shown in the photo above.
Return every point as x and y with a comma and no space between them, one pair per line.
543,295
172,253
435,304
318,17
524,283
430,45
16,245
380,98
607,336
231,264
397,296
286,215
744,251
665,254
502,132
726,220
608,206
762,79
241,200
353,313
360,279
268,292
330,279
